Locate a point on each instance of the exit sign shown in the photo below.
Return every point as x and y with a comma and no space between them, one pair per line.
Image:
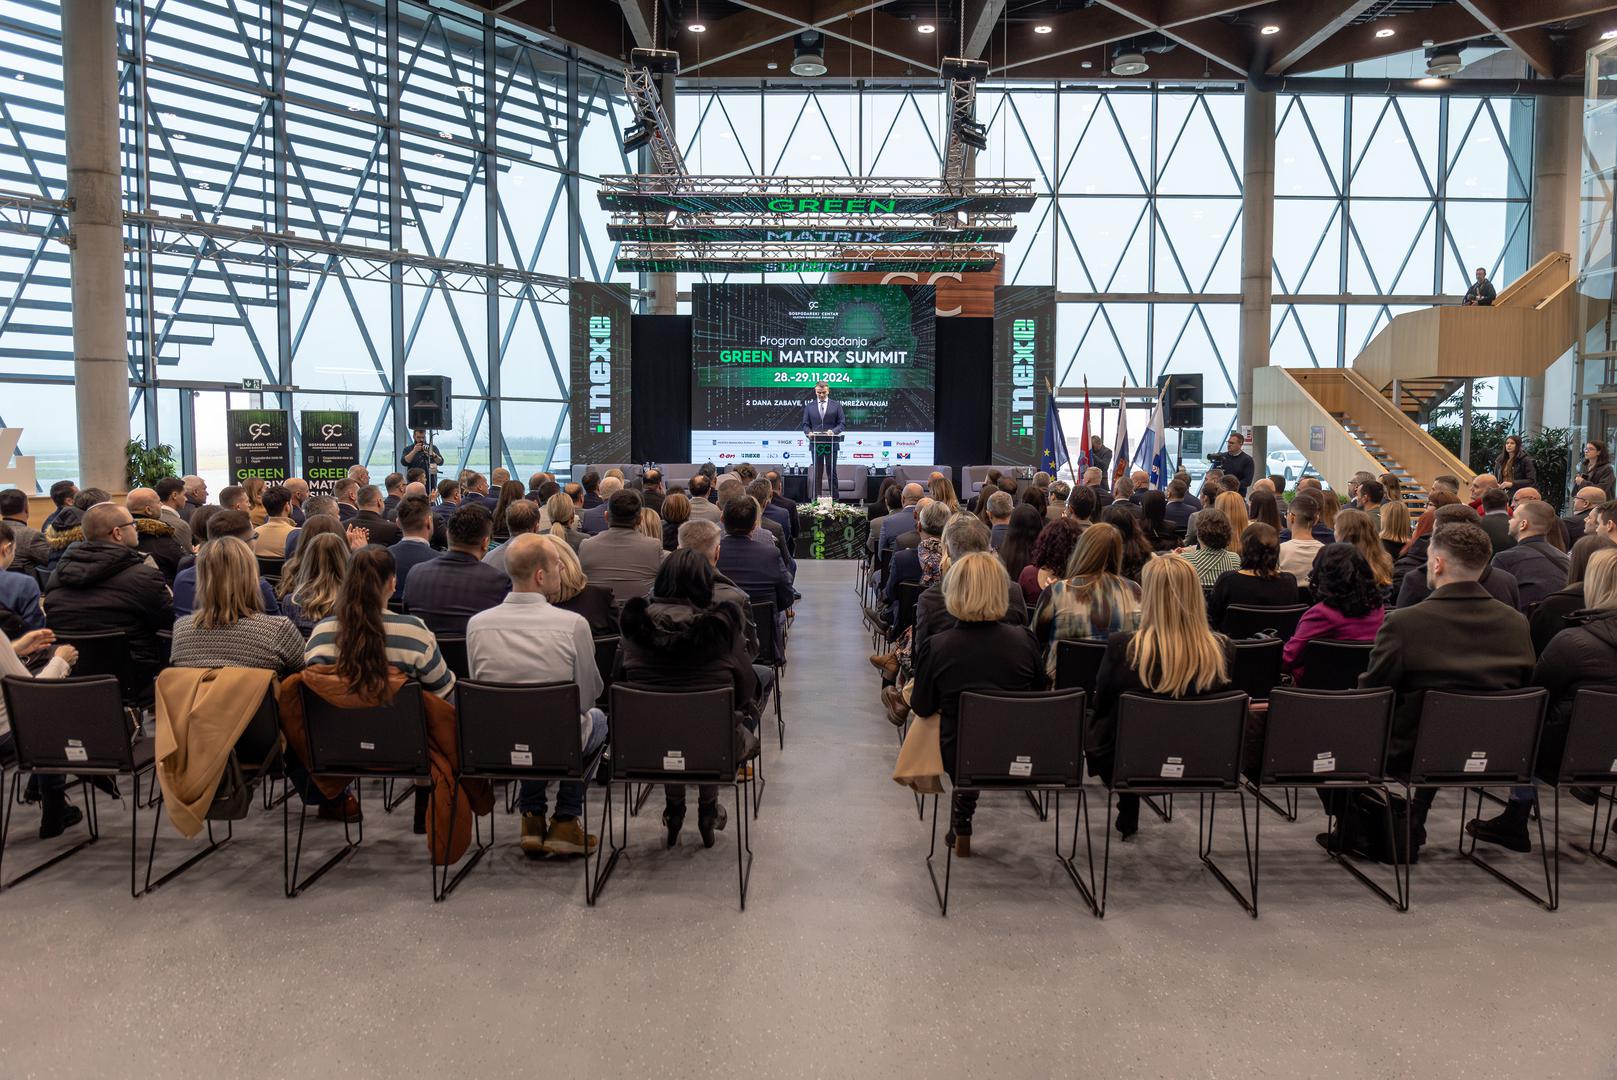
252,384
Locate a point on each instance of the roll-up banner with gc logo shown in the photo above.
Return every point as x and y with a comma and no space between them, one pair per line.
1024,363
330,446
598,344
259,445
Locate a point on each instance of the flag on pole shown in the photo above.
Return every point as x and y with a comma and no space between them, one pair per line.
1084,457
1055,440
1152,453
1120,452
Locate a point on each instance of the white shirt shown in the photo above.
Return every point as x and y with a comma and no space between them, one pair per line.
1297,557
822,405
10,665
527,639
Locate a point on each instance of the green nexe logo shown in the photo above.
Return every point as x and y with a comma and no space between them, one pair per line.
1023,332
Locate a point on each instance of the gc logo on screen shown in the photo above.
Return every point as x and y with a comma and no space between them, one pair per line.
257,431
331,431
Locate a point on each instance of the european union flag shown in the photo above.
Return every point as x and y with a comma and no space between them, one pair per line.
1055,441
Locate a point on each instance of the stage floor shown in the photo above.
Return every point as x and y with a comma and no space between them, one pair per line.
840,966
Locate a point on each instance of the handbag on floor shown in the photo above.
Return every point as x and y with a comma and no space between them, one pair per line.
920,759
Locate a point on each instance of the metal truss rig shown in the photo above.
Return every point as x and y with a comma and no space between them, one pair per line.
803,258
641,86
780,195
845,229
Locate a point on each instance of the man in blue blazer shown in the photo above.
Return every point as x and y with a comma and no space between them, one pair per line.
823,414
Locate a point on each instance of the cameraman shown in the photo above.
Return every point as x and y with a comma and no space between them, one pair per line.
423,455
1235,461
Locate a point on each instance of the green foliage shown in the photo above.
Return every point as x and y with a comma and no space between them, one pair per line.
1487,439
1551,450
149,464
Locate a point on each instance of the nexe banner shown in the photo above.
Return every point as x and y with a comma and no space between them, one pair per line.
259,445
330,446
1024,364
598,343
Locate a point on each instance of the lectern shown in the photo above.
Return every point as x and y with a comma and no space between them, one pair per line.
823,458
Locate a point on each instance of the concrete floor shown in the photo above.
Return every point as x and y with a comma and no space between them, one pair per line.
840,965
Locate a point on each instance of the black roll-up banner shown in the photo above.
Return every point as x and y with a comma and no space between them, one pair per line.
258,445
598,344
330,446
1024,362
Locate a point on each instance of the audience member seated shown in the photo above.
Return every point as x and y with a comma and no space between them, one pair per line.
1297,554
1395,528
527,640
1211,557
450,496
253,488
229,627
1549,617
509,492
754,566
1501,584
1154,522
1180,507
369,516
1093,602
65,525
1348,604
317,506
1060,491
33,552
1496,518
521,519
309,589
593,521
1258,581
447,591
20,610
1082,507
1052,551
57,815
682,637
900,521
887,500
1536,562
270,540
621,559
573,591
1263,506
1459,638
1037,498
1585,505
104,583
562,512
777,527
1356,527
155,537
415,521
676,511
980,653
366,644
1174,654
703,508
1021,533
1124,516
213,523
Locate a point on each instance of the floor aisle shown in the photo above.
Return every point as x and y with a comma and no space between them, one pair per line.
839,967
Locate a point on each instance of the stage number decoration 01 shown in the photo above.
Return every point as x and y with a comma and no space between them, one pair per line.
832,532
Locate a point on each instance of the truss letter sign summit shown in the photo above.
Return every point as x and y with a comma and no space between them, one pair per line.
598,344
1024,362
330,446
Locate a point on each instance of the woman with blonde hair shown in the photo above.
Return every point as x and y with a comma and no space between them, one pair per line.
980,654
564,519
1395,527
941,489
254,487
1355,527
1174,654
229,627
1234,509
312,595
1093,602
573,592
651,524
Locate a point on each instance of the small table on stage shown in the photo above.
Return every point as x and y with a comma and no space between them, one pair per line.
822,447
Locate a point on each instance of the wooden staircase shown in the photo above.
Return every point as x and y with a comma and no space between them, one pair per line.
1414,495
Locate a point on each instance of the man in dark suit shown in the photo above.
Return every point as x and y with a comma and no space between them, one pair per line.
823,414
780,500
999,518
774,519
449,590
1180,508
591,482
1496,519
1417,650
651,490
383,533
395,492
1584,503
1537,564
593,522
345,491
899,522
415,522
755,567
449,499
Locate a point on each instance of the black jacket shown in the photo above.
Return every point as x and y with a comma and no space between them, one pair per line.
675,645
1525,473
594,603
977,656
1601,476
1549,618
1116,678
1581,656
1497,526
101,585
1540,568
1501,585
932,617
157,539
384,533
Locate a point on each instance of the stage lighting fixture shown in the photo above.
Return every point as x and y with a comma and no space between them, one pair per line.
1443,62
972,134
1129,62
636,137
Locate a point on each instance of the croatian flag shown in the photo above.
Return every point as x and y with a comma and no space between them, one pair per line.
1120,453
1152,453
1084,456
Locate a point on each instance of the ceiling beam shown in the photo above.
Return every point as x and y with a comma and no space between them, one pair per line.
1572,50
637,16
1073,32
1215,40
1531,44
981,18
762,24
1307,26
1356,44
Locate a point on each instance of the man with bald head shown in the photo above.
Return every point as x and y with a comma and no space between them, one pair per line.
1584,504
297,491
1481,483
103,582
196,496
900,521
526,639
154,536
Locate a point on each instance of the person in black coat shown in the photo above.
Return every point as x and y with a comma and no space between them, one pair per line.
104,583
1514,466
1236,462
682,637
1172,610
1259,582
1595,468
980,653
1549,618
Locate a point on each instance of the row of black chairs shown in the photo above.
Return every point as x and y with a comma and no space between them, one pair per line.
77,727
1330,741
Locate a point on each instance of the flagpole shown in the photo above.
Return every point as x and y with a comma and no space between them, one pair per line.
1051,390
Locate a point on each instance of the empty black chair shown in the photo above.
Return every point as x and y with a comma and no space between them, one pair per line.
1017,741
101,652
1078,664
909,596
1583,755
1333,665
606,662
387,742
516,733
453,649
270,568
1255,667
1245,621
1477,741
1189,746
1333,742
74,727
678,737
763,616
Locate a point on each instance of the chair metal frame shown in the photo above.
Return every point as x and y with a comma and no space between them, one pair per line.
763,615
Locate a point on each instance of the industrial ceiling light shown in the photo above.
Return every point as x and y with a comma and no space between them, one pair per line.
926,28
1607,36
1043,28
808,58
697,28
1270,29
1385,32
1129,62
1441,63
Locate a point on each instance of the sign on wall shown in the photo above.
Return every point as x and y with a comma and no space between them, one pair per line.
330,446
598,344
259,445
1024,364
16,470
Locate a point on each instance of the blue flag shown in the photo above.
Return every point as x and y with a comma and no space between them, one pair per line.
1055,441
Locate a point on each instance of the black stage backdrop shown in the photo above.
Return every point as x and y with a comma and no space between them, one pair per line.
965,393
660,409
661,405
